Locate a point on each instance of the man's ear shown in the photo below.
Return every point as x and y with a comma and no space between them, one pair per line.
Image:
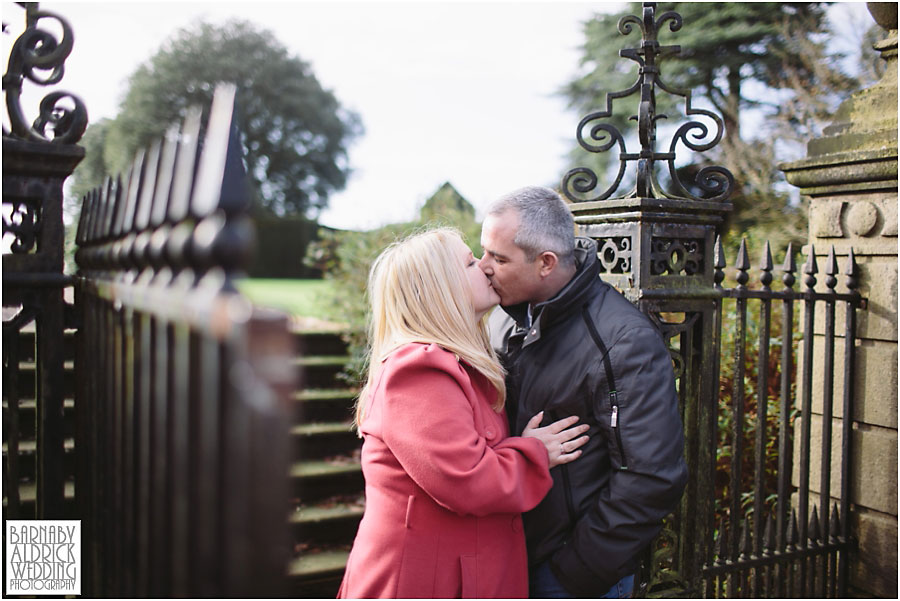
548,262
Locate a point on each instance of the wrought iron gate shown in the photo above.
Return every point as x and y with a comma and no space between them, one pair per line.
37,158
750,523
180,387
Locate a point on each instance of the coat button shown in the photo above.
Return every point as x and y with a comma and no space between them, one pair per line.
489,433
533,332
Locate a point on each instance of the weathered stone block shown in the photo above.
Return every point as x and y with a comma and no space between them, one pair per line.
873,463
874,566
875,387
878,285
867,222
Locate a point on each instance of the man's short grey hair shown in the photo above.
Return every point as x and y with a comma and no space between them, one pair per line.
545,222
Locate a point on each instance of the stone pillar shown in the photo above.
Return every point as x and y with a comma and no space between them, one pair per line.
850,178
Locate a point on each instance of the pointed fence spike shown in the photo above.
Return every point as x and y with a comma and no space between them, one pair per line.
742,264
792,534
810,268
765,266
746,541
722,543
851,271
718,262
835,522
831,269
789,267
108,201
766,261
82,217
790,264
814,526
769,536
99,211
87,215
119,213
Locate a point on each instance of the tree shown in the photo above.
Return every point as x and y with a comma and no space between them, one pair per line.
92,169
444,201
296,133
723,45
769,59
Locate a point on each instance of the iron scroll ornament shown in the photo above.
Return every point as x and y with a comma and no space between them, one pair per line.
38,56
715,182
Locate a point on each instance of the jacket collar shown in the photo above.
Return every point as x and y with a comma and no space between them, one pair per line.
571,296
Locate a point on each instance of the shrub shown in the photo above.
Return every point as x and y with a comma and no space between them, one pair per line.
346,256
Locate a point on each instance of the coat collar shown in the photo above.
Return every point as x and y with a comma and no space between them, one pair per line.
571,296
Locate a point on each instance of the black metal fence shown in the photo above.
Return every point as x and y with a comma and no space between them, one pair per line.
183,386
753,521
168,435
751,524
37,158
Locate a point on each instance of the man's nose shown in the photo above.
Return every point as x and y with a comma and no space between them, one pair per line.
485,265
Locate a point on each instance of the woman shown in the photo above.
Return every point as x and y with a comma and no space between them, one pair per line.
445,486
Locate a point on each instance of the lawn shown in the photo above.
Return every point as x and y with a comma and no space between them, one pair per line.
300,298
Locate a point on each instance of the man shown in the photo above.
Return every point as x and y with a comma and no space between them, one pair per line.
572,344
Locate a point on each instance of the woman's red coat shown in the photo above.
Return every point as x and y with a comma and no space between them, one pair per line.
445,485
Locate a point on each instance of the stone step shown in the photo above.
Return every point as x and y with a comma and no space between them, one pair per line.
321,371
319,342
325,405
318,479
317,575
317,440
333,523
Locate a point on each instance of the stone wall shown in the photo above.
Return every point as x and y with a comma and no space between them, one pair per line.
850,178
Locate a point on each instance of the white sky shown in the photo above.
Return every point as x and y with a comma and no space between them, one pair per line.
457,91
447,91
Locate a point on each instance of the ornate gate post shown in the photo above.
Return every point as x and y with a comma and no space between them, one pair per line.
35,165
850,177
659,249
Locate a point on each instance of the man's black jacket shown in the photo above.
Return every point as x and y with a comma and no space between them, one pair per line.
607,505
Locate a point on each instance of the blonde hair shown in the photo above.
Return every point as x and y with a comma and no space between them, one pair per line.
418,292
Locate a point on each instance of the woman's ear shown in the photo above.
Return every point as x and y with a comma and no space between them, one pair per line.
549,261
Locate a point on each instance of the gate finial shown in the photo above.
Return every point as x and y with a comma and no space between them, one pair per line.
33,54
712,183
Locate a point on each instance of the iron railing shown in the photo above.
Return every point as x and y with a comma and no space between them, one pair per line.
736,534
37,159
183,385
749,539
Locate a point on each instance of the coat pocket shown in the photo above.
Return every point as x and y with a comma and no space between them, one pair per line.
468,565
418,559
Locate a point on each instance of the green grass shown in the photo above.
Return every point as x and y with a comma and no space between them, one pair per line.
301,298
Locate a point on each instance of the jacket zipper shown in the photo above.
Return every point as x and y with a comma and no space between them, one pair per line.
570,505
567,486
610,379
614,423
